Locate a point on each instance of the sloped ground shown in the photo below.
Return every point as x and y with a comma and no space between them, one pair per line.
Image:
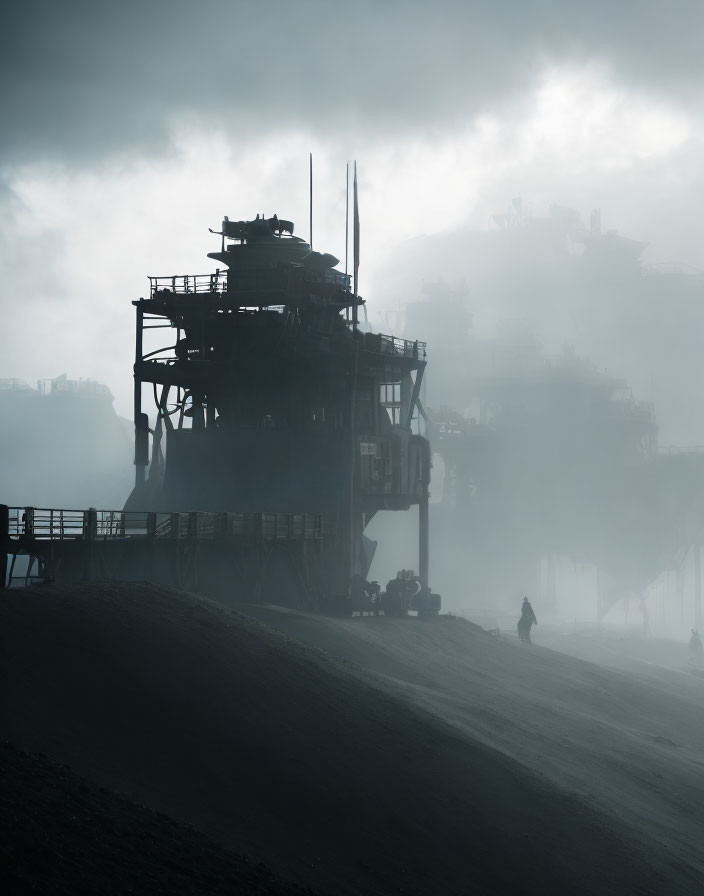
662,660
59,834
629,743
441,773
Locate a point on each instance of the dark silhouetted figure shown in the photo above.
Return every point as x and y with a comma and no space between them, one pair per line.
373,592
695,646
526,621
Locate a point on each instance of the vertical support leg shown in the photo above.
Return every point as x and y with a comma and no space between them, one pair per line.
423,517
350,544
4,539
28,574
90,527
697,587
141,421
423,542
210,412
406,390
352,547
644,614
600,598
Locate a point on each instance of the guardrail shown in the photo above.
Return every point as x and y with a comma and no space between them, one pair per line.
189,283
50,524
276,279
665,268
406,348
328,276
676,451
11,384
393,345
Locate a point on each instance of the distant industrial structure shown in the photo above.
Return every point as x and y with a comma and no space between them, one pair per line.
549,458
63,444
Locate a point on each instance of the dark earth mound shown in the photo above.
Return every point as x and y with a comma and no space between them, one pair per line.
60,834
293,757
629,742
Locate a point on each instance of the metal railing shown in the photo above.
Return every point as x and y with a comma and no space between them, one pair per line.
63,525
245,281
82,388
189,283
393,345
328,276
406,348
669,269
11,384
678,451
50,524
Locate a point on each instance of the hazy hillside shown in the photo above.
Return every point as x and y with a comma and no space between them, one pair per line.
452,771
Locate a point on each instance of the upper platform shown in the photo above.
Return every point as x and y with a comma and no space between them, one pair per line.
269,270
266,265
265,243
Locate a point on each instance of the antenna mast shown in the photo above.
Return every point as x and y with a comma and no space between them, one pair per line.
355,236
347,226
347,214
310,182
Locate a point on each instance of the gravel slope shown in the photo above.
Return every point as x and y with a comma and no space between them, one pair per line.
60,834
630,744
347,779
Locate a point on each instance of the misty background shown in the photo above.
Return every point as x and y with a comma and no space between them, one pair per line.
485,136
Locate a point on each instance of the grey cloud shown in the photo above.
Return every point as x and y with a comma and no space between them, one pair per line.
86,79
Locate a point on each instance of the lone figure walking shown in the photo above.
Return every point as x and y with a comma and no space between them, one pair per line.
526,621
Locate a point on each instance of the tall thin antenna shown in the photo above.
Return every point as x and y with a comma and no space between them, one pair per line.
310,160
347,228
355,235
347,214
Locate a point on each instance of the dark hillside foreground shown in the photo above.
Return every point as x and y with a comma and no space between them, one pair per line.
436,769
628,742
59,834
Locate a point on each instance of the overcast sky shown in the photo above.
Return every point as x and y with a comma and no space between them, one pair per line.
130,128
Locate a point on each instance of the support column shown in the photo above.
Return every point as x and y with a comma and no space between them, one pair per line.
423,542
353,515
423,515
4,539
406,390
697,587
141,421
90,529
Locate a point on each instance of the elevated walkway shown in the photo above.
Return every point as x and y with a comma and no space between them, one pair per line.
216,553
